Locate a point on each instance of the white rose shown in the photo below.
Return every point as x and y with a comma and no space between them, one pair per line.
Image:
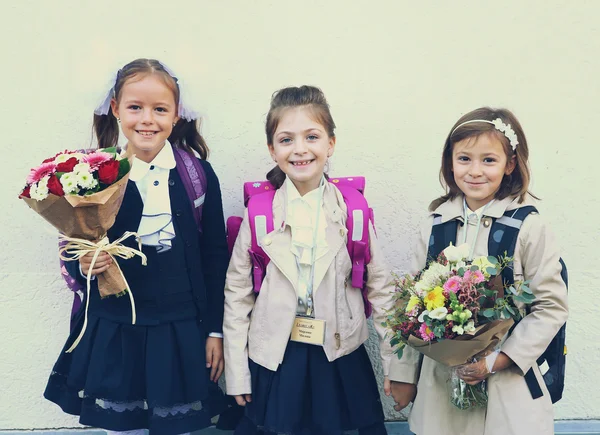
455,254
439,313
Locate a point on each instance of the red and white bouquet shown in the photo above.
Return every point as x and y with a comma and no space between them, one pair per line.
455,311
80,193
75,173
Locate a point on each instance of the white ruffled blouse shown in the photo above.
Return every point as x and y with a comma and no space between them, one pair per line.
302,219
152,180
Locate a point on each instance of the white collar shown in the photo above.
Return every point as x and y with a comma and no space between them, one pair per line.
165,159
311,198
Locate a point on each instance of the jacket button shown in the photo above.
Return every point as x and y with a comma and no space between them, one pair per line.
266,241
178,213
342,232
188,243
171,182
156,183
487,222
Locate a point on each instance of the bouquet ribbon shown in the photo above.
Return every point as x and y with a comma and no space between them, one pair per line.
76,248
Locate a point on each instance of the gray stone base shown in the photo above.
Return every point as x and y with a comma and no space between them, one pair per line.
563,427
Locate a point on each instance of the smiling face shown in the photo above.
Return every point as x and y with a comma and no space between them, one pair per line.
147,110
301,147
479,164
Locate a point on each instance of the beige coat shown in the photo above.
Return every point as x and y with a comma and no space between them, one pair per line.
260,327
510,410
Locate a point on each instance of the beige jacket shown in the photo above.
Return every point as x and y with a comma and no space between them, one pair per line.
259,327
510,410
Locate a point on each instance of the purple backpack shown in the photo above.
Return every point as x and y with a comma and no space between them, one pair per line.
258,197
194,180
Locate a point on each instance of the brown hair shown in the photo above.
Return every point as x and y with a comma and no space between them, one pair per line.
185,133
515,184
309,96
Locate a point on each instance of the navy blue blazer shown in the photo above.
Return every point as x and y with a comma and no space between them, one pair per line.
206,260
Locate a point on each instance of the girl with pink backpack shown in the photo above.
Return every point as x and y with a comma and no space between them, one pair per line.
294,352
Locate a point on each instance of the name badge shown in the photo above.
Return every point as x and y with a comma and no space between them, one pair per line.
308,330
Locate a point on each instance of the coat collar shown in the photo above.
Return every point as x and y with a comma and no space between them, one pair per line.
453,209
276,244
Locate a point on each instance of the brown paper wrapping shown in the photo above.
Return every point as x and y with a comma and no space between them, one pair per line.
461,349
87,217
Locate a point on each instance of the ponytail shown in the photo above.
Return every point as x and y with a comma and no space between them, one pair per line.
185,135
276,177
106,129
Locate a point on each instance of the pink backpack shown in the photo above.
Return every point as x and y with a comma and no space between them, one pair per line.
258,197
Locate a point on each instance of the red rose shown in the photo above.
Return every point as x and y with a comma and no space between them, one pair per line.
25,193
108,171
67,166
55,187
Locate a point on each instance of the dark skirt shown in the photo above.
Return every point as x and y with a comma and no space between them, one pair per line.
310,395
124,377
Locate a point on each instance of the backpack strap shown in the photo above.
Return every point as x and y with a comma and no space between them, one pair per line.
442,234
504,234
503,241
194,180
260,218
357,223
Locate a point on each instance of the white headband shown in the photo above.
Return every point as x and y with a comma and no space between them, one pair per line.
506,129
182,111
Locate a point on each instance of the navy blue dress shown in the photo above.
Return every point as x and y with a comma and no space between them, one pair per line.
152,374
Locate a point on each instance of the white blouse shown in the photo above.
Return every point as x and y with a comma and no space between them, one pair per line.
307,234
152,180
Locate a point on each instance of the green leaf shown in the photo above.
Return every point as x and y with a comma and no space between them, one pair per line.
394,341
491,271
489,293
124,168
489,313
526,289
112,150
399,352
528,297
520,298
513,290
492,260
511,310
506,313
474,268
461,272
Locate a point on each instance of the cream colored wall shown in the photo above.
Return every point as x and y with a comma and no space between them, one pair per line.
397,76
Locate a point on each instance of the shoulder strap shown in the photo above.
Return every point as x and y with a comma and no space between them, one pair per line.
442,234
503,241
260,218
504,234
194,180
357,223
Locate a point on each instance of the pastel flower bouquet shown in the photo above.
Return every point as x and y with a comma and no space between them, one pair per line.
456,311
80,193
